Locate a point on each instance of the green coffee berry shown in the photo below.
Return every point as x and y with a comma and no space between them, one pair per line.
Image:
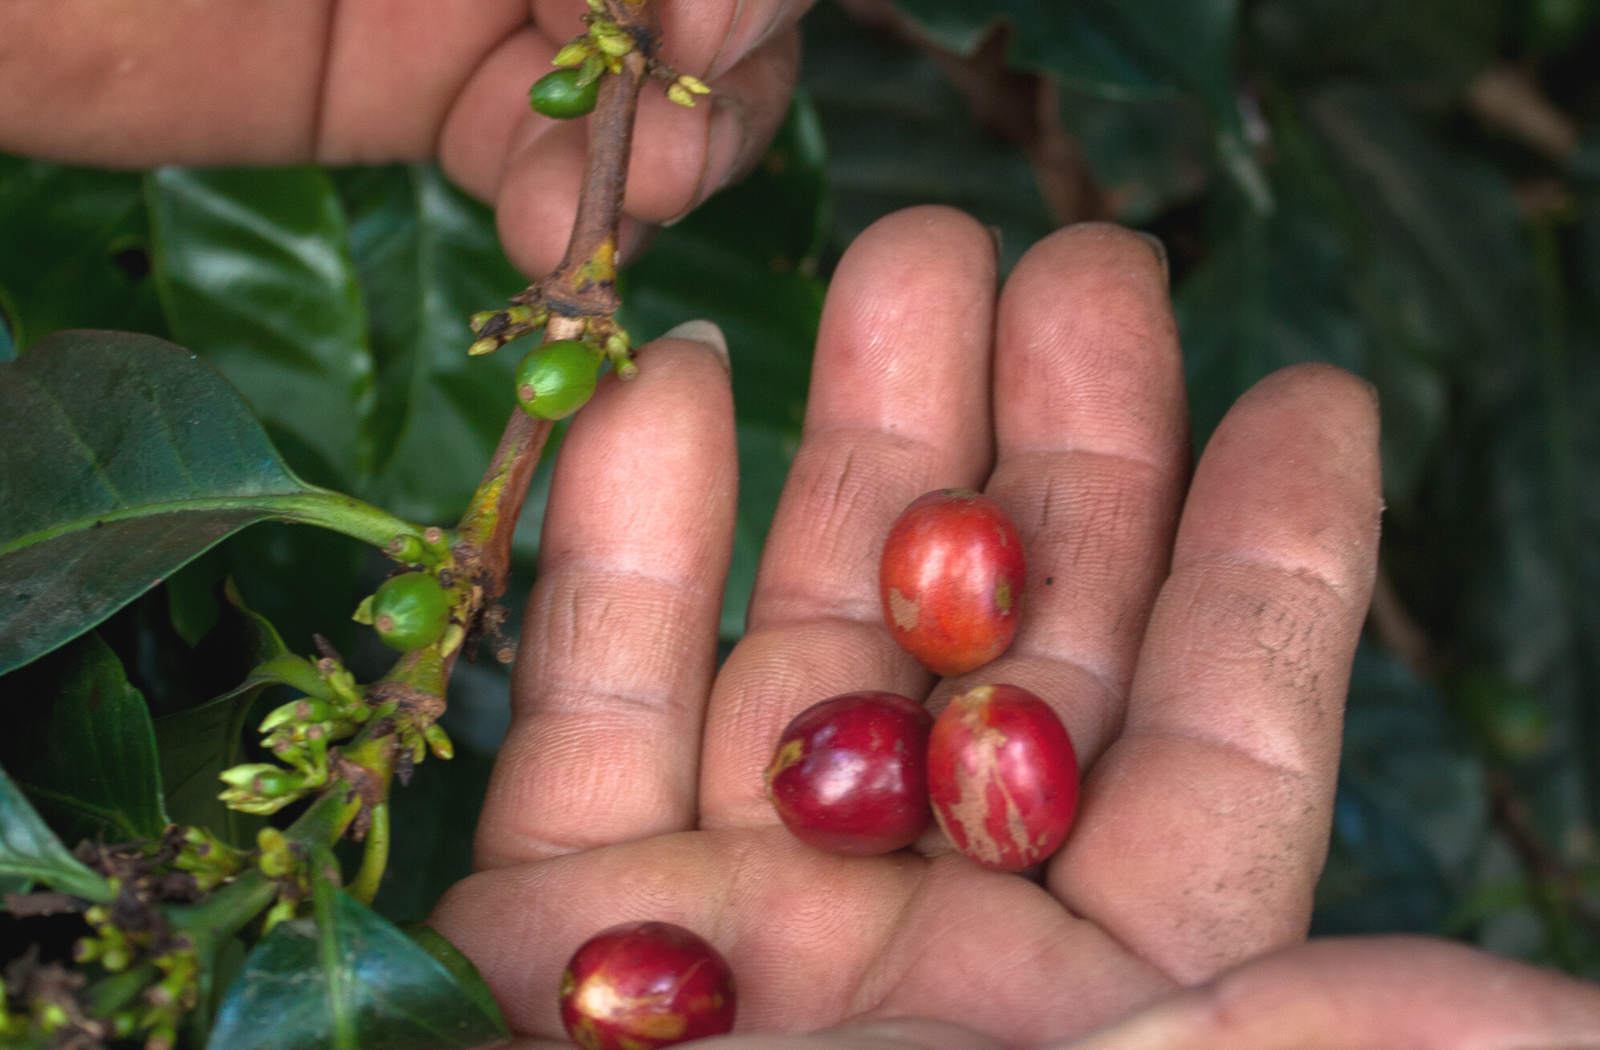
554,380
410,611
561,94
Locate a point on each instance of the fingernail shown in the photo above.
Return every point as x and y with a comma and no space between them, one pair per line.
706,333
997,237
1161,253
1163,1027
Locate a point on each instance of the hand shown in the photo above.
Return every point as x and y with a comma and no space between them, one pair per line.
135,83
1362,993
1195,638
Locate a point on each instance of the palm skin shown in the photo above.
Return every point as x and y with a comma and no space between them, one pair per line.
1195,638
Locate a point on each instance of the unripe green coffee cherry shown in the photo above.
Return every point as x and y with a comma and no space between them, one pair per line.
554,380
410,611
559,94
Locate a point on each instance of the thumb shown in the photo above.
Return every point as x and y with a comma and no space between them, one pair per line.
1370,993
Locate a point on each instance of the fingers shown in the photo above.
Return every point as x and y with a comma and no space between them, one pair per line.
1093,455
532,166
126,83
813,939
1203,829
1370,994
377,109
898,405
619,642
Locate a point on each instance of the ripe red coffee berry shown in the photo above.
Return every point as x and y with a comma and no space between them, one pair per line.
644,985
1003,777
850,775
951,580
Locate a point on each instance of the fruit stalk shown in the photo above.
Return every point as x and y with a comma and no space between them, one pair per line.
581,288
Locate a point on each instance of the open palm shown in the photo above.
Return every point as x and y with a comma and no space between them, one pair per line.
1195,639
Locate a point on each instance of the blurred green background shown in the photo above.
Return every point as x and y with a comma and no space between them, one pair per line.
1407,188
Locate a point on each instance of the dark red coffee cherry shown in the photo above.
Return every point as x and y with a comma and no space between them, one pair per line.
644,985
850,774
1003,777
951,580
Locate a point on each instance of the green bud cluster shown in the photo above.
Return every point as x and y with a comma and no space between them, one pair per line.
429,551
496,328
282,861
298,733
210,860
146,994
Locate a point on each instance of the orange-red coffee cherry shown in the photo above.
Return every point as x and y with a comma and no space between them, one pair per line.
644,985
850,775
1003,777
951,580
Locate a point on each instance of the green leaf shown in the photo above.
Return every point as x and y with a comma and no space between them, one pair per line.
76,251
79,743
899,135
428,258
198,744
1320,279
1410,814
1118,49
122,457
346,979
30,852
434,943
255,275
1420,46
1115,48
191,599
1445,224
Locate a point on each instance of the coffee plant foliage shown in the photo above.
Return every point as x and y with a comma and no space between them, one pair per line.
1327,190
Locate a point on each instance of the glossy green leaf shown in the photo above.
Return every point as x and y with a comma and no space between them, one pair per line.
1427,47
349,979
8,343
448,955
899,135
30,852
428,258
74,251
1118,49
1317,280
198,744
1447,224
121,458
79,743
255,275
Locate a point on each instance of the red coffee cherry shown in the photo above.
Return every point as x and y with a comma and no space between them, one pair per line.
1003,777
951,580
644,985
850,775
